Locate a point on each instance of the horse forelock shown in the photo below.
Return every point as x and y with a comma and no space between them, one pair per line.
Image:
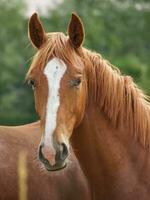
57,45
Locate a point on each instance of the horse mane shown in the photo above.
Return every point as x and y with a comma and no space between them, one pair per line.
116,95
119,97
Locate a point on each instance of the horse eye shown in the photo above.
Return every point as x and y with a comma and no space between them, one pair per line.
32,83
75,82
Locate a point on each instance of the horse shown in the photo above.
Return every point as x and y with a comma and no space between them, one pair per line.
17,142
85,101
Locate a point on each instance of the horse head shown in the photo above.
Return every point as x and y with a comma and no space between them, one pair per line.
58,77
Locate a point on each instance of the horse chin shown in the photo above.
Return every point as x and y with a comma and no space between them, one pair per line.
56,167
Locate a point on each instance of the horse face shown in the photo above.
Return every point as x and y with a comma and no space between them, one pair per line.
60,93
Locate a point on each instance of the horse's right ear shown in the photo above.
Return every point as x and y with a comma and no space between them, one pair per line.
36,31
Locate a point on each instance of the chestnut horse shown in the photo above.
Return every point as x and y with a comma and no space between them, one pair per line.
82,99
68,184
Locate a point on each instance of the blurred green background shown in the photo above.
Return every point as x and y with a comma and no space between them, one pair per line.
118,29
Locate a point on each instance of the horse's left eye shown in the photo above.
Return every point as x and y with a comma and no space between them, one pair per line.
75,82
32,83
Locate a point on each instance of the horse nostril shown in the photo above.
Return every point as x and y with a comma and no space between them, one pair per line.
41,156
63,151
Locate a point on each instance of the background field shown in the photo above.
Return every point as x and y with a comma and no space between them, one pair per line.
118,29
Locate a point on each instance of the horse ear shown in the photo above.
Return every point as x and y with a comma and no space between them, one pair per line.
76,31
36,31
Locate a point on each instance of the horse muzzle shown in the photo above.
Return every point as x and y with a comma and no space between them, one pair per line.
62,153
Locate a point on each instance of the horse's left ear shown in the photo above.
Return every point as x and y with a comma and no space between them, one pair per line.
76,31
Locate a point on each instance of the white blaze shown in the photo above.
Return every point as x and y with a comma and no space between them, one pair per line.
54,72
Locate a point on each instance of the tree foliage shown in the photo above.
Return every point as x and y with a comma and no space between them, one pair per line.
117,29
15,98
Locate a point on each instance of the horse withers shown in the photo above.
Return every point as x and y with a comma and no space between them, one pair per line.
84,100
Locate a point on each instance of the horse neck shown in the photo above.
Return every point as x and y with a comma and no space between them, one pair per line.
104,142
93,140
106,153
